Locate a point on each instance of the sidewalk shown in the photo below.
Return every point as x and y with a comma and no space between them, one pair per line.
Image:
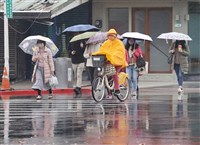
26,85
24,88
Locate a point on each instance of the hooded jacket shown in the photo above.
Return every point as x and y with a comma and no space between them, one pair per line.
114,51
183,58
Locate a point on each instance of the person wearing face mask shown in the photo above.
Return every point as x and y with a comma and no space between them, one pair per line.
134,51
43,70
180,51
115,53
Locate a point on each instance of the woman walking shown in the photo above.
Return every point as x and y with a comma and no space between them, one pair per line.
180,51
133,51
43,70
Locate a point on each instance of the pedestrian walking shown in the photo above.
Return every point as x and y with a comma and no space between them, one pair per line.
76,50
91,48
134,51
180,52
114,50
43,70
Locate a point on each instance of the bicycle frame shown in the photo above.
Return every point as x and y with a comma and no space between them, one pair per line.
105,78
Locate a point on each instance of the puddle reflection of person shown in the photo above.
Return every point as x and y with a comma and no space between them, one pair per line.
179,108
181,121
119,129
43,123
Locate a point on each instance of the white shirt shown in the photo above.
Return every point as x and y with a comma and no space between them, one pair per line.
91,48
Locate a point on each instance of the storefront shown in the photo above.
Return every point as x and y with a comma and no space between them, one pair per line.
152,18
47,18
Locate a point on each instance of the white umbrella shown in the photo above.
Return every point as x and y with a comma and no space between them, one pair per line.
100,37
28,45
136,35
174,36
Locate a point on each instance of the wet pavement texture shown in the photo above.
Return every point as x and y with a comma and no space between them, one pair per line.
162,118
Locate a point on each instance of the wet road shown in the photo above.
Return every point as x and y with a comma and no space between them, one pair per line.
158,117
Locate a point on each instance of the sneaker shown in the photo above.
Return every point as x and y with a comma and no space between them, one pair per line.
77,90
117,93
39,97
180,89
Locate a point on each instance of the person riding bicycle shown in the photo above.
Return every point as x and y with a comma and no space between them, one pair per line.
115,53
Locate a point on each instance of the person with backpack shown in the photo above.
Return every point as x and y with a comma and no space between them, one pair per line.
134,52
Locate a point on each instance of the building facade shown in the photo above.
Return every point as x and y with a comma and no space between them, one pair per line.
153,18
150,17
28,19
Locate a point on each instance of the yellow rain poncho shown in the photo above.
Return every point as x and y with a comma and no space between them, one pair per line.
114,51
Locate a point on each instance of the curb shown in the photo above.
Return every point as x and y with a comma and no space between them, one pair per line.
32,92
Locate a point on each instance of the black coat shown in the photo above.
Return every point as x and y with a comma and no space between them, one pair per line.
76,52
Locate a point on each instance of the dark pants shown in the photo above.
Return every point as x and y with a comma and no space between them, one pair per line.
92,72
39,91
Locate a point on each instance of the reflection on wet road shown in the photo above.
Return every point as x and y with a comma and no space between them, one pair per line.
150,120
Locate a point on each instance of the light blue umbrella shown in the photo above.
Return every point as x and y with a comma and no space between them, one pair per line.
81,28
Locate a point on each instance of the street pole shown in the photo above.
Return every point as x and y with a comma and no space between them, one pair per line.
6,41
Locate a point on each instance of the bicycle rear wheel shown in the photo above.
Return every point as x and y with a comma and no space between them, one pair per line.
124,91
98,89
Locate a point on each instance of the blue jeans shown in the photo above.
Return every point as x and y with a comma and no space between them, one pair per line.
133,77
179,74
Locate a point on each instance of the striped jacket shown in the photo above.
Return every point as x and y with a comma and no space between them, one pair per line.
48,65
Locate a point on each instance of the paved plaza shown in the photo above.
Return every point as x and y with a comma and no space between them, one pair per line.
159,116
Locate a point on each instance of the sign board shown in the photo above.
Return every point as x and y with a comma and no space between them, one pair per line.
9,13
178,25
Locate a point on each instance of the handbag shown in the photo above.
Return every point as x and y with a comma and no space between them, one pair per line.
140,62
169,59
53,81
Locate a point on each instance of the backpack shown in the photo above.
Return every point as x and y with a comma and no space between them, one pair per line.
140,62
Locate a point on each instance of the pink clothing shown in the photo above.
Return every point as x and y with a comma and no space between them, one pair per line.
115,77
40,59
48,64
137,52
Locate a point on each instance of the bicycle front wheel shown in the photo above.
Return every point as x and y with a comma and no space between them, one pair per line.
98,89
124,90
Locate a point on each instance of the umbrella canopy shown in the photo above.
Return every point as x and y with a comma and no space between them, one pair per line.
174,36
100,37
136,35
81,28
28,45
82,36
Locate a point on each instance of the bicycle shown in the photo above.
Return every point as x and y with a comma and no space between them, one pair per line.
104,80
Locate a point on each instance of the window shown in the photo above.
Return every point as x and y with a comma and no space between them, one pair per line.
118,19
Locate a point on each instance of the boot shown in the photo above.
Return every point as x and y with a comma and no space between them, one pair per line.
77,90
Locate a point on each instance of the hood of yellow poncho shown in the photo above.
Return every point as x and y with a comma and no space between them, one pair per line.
114,51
